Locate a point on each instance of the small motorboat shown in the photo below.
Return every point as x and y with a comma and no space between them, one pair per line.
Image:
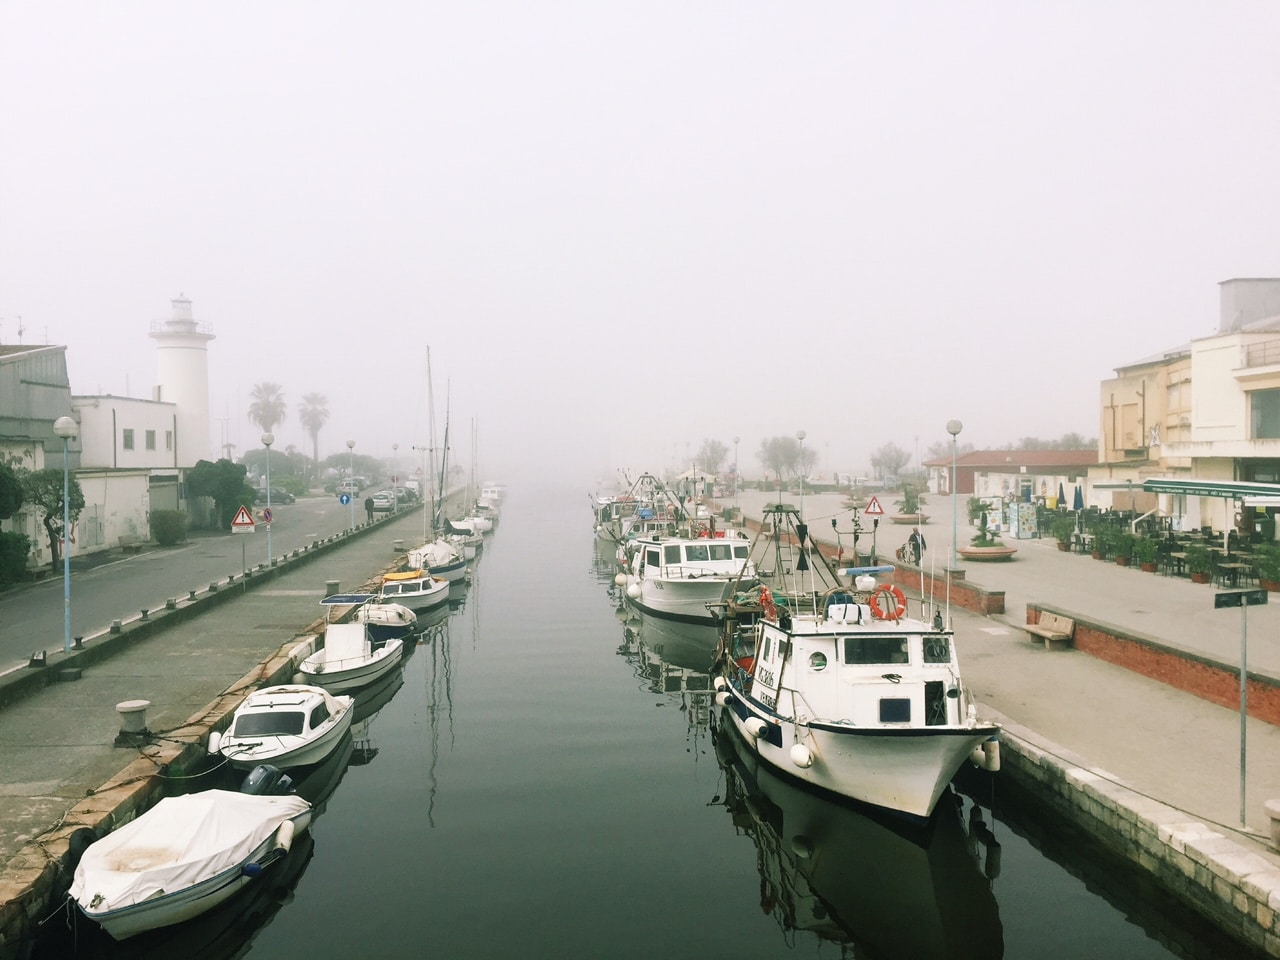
384,621
350,658
442,558
416,589
290,725
183,857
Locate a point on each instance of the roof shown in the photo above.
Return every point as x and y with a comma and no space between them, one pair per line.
1007,459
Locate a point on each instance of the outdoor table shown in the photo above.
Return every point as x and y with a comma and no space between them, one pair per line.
1233,572
1178,560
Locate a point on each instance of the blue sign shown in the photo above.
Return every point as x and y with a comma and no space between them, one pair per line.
344,499
266,514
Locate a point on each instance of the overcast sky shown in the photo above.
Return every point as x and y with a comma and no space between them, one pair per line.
624,228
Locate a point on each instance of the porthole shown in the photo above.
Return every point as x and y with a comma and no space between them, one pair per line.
817,660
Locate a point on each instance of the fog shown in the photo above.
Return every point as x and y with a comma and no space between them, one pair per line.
625,228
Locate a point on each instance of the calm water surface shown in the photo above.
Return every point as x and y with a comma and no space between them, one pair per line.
544,783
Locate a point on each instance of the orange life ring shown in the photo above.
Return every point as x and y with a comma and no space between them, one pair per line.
899,601
766,603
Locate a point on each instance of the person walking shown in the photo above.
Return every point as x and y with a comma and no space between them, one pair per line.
368,508
916,544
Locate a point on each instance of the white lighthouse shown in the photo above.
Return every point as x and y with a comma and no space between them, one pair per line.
182,378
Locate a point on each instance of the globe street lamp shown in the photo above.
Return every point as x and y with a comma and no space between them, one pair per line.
268,439
800,435
65,427
351,472
953,427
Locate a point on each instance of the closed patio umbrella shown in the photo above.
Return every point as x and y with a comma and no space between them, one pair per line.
1078,504
1062,497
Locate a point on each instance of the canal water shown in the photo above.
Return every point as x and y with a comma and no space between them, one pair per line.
542,781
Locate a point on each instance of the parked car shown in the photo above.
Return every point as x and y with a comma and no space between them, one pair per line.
278,495
383,502
349,486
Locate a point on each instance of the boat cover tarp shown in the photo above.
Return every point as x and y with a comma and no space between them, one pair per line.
177,843
435,555
345,641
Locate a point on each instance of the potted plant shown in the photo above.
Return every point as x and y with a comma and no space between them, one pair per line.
1146,551
909,505
1063,529
986,545
1122,543
1268,555
1104,539
1199,562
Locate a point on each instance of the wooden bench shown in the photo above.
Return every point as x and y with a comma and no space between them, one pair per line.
130,544
1055,629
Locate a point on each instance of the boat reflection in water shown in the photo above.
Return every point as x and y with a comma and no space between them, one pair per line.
863,878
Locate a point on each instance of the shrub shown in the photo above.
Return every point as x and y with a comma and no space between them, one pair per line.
168,527
1064,525
1145,550
14,550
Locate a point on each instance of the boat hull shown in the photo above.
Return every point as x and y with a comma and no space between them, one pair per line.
342,677
680,601
901,769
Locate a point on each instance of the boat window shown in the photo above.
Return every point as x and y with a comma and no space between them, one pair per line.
768,645
672,553
319,715
817,661
721,551
696,551
274,724
651,558
861,650
741,551
895,710
937,650
390,589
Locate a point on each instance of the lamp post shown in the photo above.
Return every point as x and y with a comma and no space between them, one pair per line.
395,481
268,439
736,478
65,427
953,427
800,435
351,446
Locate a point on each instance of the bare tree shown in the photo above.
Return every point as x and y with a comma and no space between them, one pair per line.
268,406
888,461
712,455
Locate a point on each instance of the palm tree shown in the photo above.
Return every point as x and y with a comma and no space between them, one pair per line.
314,414
268,405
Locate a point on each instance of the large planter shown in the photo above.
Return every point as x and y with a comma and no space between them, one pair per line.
915,519
987,554
1199,577
1122,561
1148,567
1272,586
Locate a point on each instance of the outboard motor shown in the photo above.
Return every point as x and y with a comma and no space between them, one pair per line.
265,780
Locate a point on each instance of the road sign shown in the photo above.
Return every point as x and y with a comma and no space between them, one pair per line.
1239,598
266,514
243,523
873,508
344,499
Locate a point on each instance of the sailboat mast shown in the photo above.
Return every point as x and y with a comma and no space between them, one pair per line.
430,505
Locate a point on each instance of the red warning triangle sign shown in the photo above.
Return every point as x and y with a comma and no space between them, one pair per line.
873,508
243,519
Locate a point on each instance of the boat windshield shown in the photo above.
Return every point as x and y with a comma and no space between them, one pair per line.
868,650
274,724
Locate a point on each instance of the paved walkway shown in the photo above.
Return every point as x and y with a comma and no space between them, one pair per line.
1159,741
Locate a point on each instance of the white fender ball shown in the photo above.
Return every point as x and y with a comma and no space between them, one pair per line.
215,741
620,580
801,755
633,591
756,727
720,683
724,698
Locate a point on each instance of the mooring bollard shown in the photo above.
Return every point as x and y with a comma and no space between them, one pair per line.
145,615
171,604
331,587
115,626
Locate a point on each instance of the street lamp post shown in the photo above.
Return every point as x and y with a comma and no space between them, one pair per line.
351,446
65,427
800,435
268,439
395,481
954,427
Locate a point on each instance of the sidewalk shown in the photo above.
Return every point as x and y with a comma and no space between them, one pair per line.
1159,741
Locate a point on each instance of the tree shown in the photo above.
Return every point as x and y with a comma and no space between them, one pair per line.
711,456
10,492
224,482
889,460
43,490
314,414
781,455
268,407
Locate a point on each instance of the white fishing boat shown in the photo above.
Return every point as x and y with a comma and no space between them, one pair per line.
288,725
682,579
837,686
183,857
417,589
350,658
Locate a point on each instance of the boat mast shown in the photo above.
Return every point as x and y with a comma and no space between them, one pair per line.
430,505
